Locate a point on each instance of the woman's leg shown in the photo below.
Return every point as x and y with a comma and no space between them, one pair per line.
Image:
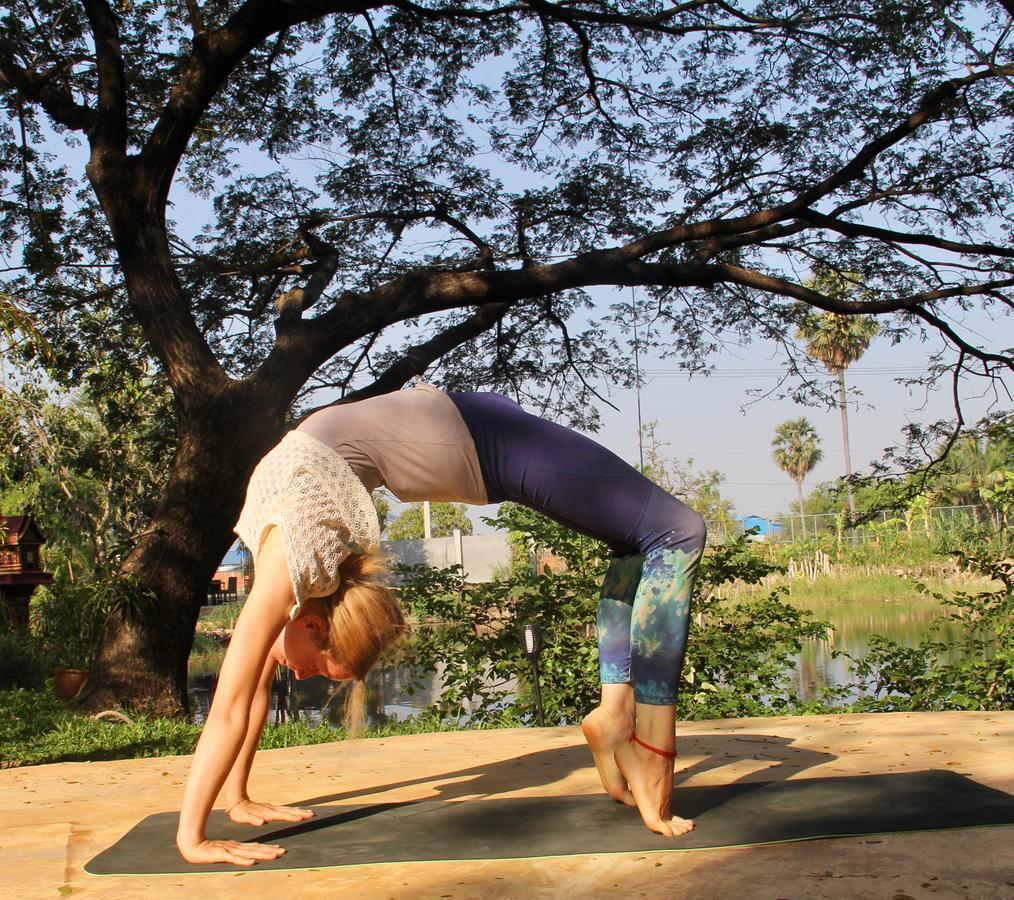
610,725
660,623
576,481
643,623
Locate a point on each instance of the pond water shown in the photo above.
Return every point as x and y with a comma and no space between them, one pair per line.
906,622
397,693
391,695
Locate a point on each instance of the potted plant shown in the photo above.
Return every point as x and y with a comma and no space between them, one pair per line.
66,623
67,620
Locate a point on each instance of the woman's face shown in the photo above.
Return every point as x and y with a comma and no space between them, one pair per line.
298,648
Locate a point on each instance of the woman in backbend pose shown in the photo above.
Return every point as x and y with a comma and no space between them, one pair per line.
319,607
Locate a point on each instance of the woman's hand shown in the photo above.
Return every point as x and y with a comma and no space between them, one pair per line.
235,852
249,812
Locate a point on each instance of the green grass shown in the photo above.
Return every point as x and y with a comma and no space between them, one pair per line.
37,728
206,654
223,616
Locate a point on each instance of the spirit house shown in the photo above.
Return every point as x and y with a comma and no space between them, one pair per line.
20,566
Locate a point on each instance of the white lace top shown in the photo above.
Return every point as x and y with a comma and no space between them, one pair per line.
320,507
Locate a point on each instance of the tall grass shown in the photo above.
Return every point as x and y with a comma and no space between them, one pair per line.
206,654
223,616
859,587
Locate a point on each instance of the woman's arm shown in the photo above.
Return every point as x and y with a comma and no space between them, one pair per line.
264,614
235,794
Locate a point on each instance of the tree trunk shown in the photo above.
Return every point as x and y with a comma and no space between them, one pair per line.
842,405
142,664
802,515
224,428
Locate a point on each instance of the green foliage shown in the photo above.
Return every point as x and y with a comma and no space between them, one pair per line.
223,615
974,671
740,654
86,464
24,715
571,103
471,630
855,586
521,141
973,475
22,663
795,448
67,616
444,518
383,508
738,659
833,339
36,728
66,622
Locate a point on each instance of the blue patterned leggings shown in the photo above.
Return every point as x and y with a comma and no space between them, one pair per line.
656,541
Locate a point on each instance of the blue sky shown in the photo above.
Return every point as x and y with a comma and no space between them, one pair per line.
713,421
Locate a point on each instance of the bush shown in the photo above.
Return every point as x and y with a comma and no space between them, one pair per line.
738,660
740,654
66,623
22,663
973,671
67,616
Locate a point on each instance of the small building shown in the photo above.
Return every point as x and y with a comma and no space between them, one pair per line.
21,571
766,529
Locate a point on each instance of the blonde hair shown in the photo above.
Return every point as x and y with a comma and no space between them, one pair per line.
364,618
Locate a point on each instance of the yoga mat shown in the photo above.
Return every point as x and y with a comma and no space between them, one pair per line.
735,815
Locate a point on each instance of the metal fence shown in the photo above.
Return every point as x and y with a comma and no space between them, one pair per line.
932,522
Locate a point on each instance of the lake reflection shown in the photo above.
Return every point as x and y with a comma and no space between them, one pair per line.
854,623
388,696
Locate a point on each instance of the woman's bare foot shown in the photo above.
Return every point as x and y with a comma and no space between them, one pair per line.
649,777
606,729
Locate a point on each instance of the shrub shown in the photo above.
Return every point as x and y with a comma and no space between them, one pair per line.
22,663
973,671
738,661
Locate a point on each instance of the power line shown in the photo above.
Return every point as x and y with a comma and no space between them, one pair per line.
871,372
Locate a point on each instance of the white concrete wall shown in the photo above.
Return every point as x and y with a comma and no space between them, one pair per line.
480,555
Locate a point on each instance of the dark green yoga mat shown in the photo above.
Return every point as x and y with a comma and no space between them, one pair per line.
732,815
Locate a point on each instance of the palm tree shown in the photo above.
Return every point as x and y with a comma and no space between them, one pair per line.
975,464
837,341
796,450
16,324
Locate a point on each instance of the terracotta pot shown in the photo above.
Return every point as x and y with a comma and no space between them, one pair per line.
68,682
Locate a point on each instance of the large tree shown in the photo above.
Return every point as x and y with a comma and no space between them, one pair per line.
445,517
365,190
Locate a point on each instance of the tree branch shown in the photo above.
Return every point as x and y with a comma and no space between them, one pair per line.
109,133
41,88
550,314
675,275
485,260
853,229
292,304
931,106
215,55
960,342
196,16
417,359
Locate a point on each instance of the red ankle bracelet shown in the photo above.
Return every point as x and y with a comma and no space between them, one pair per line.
668,754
